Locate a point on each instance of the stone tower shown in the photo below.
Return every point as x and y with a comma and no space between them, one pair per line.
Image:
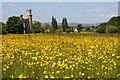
29,17
27,22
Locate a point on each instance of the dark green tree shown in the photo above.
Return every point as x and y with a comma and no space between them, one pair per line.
118,29
37,27
64,24
115,21
112,26
3,28
0,27
79,27
54,24
111,29
101,28
14,25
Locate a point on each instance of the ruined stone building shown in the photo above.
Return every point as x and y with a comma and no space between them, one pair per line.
27,22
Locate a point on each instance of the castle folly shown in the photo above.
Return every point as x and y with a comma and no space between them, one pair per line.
27,22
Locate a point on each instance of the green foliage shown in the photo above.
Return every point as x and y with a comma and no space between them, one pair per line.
64,24
70,29
59,31
86,29
79,27
118,29
3,28
89,29
115,21
60,27
101,28
14,25
54,24
0,27
111,29
112,26
92,28
37,27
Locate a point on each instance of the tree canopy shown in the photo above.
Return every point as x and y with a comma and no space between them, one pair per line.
112,26
14,25
37,27
79,27
54,24
64,24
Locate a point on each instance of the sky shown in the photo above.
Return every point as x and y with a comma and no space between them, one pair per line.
75,12
60,0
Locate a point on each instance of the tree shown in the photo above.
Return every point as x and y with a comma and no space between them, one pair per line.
79,27
112,26
115,21
101,28
118,29
92,28
3,28
64,24
37,27
0,27
14,25
111,29
54,24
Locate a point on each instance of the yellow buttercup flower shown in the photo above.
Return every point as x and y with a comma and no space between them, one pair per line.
92,47
97,73
57,72
72,76
45,72
52,72
12,76
82,74
21,76
88,77
67,77
52,77
7,67
113,54
46,76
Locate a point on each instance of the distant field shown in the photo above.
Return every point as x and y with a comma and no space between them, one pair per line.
61,56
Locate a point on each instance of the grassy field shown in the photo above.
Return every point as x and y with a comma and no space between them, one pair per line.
60,56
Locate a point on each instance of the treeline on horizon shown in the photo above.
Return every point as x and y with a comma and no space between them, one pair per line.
14,26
